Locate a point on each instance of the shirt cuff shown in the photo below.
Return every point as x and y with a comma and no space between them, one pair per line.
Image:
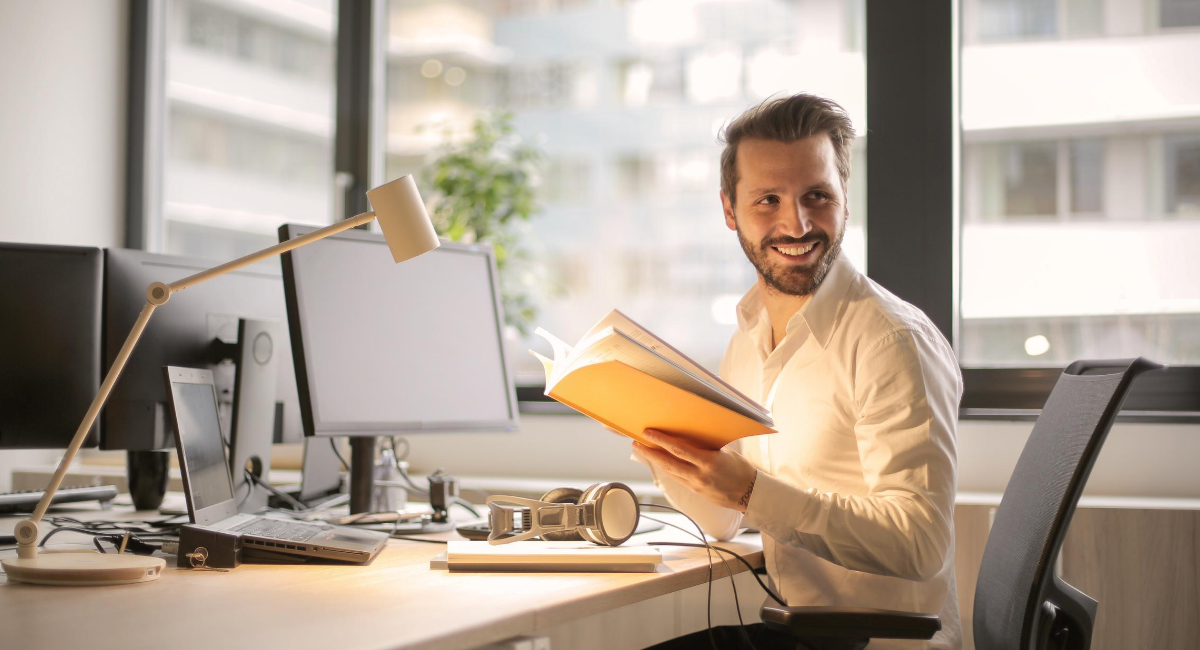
780,510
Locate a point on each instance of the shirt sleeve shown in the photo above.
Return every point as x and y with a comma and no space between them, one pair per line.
906,392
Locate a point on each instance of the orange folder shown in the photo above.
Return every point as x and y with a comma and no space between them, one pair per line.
630,401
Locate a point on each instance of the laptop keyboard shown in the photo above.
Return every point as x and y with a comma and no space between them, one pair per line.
289,531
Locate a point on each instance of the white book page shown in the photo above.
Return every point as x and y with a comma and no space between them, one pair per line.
623,323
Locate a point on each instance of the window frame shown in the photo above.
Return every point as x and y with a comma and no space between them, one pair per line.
913,110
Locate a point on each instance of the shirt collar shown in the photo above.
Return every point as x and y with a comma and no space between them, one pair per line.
820,313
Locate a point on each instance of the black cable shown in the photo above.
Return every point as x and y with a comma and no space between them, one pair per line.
708,610
110,536
418,539
737,604
249,489
413,487
466,506
287,498
743,560
337,452
407,447
67,528
137,526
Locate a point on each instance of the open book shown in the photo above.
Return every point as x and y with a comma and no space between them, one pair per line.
630,380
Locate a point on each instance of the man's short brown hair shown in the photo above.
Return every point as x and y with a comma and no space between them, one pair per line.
787,119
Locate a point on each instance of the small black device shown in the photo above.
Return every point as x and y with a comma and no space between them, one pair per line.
201,546
443,490
209,490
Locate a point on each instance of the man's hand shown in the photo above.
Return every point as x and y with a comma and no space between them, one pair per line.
722,477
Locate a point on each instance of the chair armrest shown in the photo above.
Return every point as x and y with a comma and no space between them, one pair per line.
849,622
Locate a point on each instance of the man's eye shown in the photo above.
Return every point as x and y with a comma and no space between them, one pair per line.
817,196
770,199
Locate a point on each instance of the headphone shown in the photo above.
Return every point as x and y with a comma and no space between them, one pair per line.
606,514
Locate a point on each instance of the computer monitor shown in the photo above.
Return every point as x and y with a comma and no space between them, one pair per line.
181,333
50,312
384,349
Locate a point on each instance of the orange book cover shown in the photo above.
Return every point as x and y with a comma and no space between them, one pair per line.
629,385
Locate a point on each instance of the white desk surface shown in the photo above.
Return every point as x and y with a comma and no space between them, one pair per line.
394,602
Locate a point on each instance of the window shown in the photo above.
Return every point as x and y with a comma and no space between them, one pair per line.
1079,213
625,99
248,125
1182,170
997,21
1037,180
1179,13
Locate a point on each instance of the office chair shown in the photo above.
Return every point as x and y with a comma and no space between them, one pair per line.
1019,603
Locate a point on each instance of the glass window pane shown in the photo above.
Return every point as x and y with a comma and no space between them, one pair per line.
1085,17
1081,203
1030,178
623,100
249,124
1179,13
1183,175
1016,19
1087,176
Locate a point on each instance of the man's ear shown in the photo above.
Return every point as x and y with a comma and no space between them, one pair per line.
730,220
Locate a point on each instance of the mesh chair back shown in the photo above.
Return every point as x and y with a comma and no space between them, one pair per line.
1019,603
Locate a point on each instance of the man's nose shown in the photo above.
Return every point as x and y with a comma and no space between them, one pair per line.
796,222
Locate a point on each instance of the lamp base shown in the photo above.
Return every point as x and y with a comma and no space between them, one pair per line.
80,568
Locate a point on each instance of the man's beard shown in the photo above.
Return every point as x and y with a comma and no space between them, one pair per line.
794,280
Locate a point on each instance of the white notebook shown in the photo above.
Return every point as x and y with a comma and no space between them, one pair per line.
547,557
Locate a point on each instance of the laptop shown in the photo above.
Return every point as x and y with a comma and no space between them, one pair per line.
208,488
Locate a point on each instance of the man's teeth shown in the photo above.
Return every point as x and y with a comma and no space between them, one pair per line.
796,250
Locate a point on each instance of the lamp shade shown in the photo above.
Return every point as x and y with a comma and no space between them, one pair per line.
402,217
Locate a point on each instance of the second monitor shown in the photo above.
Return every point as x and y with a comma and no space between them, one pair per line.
390,349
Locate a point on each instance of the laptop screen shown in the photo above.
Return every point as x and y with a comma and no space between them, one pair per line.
200,444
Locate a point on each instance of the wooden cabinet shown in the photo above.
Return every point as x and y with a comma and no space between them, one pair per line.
1141,564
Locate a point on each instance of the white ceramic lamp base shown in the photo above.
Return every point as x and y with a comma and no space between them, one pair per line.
83,568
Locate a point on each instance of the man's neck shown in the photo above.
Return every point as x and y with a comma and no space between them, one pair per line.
780,309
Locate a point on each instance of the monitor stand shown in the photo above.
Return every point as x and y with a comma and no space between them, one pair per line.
254,421
362,473
362,490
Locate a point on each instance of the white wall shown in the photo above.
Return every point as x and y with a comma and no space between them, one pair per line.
62,131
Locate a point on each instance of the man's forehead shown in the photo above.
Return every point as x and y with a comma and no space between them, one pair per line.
809,160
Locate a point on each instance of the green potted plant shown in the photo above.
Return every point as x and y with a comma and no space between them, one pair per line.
483,188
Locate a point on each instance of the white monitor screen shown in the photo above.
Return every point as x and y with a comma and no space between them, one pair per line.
397,347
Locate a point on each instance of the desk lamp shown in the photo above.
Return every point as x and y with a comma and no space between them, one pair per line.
409,233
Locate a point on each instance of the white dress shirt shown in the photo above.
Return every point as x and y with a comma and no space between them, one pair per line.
855,493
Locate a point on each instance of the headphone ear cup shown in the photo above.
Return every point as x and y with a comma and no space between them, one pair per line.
563,495
589,495
617,513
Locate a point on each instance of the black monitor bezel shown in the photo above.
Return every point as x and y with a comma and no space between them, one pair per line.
313,426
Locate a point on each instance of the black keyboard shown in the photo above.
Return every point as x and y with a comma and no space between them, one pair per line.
27,500
288,531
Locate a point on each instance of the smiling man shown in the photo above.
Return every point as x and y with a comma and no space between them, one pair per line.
855,493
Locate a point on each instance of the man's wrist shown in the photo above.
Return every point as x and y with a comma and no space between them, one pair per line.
744,502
